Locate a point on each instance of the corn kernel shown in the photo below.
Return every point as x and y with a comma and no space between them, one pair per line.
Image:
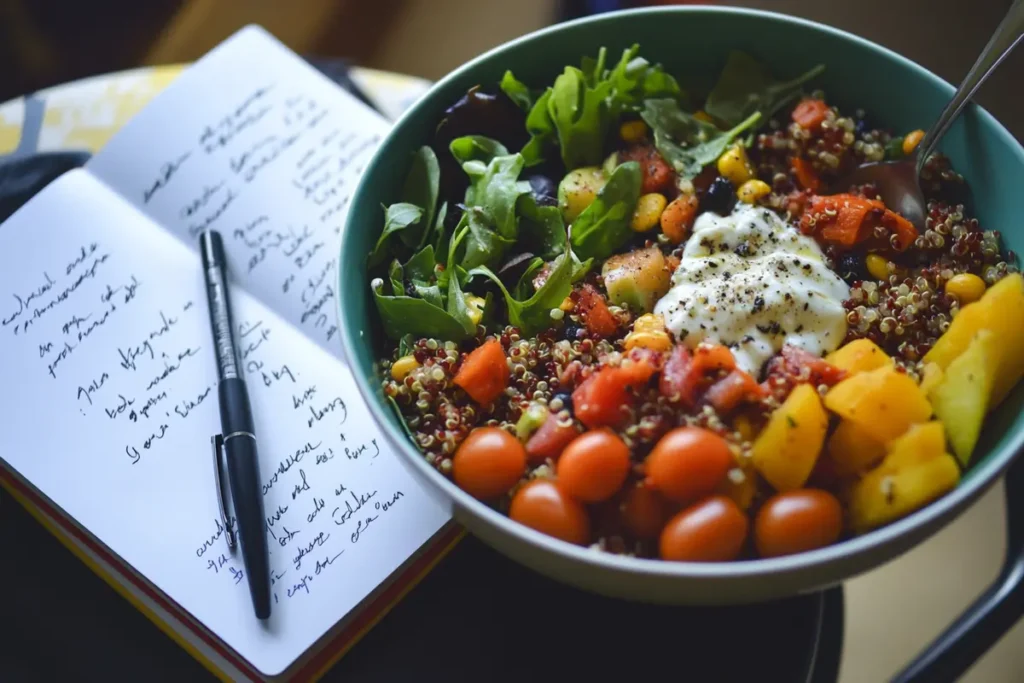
734,165
752,190
475,304
966,287
649,322
403,366
912,140
567,304
702,115
648,211
655,341
633,131
877,266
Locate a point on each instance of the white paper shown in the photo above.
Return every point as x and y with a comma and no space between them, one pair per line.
255,143
110,380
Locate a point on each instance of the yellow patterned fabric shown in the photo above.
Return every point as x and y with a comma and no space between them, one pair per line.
83,115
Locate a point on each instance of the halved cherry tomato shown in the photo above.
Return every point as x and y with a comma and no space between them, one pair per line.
711,530
644,510
550,439
686,376
797,521
594,466
488,463
687,463
544,506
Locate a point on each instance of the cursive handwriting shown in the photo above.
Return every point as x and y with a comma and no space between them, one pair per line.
88,390
318,415
164,175
353,504
317,542
188,406
286,464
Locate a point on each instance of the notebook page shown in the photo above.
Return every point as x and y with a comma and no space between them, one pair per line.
254,142
110,401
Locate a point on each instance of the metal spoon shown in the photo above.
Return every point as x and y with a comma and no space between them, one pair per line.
898,181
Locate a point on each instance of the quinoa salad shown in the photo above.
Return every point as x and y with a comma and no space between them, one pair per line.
643,319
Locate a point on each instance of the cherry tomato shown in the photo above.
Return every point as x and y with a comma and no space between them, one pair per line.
688,462
544,506
711,530
594,466
797,521
644,511
489,462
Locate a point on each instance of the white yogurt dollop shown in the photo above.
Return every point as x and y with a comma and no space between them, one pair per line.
752,282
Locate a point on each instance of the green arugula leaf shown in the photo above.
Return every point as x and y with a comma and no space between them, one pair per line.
517,91
457,307
397,277
401,418
534,314
686,142
576,112
603,227
484,246
421,188
405,315
397,217
476,148
421,266
541,228
524,288
441,233
494,188
745,86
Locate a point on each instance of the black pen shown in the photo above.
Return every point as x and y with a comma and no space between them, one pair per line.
236,444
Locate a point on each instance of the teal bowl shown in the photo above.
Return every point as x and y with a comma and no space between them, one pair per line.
692,43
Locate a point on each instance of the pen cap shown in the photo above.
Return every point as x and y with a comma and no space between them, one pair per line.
211,248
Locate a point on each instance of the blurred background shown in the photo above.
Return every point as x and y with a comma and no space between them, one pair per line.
47,42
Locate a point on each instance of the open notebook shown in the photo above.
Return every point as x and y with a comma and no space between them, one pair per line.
109,377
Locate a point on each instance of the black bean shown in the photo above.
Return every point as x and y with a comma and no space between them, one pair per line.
720,197
851,267
566,400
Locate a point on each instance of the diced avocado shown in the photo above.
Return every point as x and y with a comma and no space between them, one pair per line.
578,189
636,279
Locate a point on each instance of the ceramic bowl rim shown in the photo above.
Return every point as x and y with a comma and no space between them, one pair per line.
935,514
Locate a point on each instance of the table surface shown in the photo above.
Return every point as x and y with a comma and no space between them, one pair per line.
891,612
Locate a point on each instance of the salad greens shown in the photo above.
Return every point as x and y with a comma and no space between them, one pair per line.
476,235
686,142
577,111
603,227
746,86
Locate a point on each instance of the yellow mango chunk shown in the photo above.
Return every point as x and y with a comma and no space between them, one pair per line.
852,449
787,448
884,496
859,355
1000,310
962,397
883,402
919,443
931,375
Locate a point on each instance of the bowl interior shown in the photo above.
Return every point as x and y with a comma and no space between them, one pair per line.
692,44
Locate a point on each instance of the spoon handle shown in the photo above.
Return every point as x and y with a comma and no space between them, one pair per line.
1007,35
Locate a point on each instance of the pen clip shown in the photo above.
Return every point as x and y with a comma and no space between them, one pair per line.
218,448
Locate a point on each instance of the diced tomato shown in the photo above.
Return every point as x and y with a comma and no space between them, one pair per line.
484,373
904,230
810,113
592,307
733,389
791,363
686,376
656,174
599,400
710,357
806,177
550,439
849,219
